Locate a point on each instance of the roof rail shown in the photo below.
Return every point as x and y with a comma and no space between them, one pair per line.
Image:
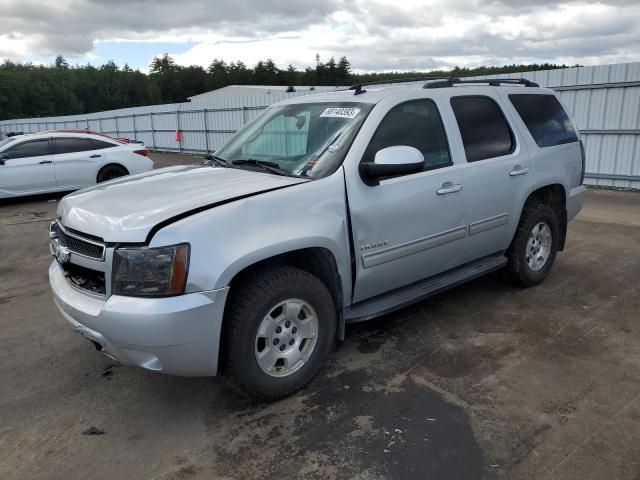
358,87
494,82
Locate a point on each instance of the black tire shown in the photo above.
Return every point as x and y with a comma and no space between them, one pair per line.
518,269
111,171
253,300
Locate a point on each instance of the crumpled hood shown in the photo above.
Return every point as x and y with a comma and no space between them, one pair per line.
126,209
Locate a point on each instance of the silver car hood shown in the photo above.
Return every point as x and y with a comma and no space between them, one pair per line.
127,209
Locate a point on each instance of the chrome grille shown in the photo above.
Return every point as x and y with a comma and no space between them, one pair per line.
78,245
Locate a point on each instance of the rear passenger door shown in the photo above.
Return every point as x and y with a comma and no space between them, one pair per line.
77,160
497,174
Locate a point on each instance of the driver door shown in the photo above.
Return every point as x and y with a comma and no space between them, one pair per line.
408,227
26,168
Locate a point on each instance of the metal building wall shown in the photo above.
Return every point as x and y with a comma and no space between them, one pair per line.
604,101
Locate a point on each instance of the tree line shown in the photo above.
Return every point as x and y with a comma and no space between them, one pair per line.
29,90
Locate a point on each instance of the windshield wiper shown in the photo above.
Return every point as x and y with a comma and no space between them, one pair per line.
268,166
209,159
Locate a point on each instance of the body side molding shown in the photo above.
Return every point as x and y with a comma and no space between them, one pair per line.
373,258
488,223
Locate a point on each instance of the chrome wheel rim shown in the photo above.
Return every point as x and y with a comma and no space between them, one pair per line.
538,246
286,337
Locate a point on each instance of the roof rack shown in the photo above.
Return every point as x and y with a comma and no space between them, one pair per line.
494,82
358,88
443,82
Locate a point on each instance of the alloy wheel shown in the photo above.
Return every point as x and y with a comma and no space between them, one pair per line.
286,337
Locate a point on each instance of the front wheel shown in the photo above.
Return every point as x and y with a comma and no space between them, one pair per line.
279,329
534,245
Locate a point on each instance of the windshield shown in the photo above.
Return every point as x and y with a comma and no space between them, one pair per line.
303,139
6,141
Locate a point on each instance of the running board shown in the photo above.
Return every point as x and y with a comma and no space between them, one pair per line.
404,296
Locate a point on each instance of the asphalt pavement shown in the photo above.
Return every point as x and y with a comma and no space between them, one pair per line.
484,381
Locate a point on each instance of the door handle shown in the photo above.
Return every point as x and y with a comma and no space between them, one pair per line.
42,162
518,170
448,187
95,156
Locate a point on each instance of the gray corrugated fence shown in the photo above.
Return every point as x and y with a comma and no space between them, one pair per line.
204,126
604,100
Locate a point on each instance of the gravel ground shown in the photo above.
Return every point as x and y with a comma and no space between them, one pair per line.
484,381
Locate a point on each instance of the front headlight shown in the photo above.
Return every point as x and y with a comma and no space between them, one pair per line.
150,272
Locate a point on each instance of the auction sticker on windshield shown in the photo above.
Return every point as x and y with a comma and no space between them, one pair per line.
340,112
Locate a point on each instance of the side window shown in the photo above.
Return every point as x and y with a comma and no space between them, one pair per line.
34,148
484,130
99,144
416,124
545,119
72,145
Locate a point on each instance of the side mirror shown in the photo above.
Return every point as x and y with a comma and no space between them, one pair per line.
392,161
2,157
208,156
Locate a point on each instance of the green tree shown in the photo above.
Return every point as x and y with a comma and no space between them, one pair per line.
28,90
343,71
162,64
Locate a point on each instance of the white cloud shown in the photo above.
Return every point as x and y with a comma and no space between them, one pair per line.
373,34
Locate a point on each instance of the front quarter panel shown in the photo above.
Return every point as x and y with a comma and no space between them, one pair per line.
228,238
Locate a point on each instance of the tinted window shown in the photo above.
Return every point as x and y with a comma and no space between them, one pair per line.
485,132
416,124
72,145
35,148
99,144
545,118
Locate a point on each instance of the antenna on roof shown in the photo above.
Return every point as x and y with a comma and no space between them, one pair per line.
358,89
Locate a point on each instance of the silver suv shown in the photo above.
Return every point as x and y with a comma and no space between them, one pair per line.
327,209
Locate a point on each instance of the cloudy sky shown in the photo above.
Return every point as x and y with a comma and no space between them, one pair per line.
373,34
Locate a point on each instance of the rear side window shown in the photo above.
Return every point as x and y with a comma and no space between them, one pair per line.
545,119
416,124
99,144
484,130
34,148
72,145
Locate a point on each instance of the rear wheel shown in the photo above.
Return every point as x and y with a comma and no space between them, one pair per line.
279,329
111,171
534,245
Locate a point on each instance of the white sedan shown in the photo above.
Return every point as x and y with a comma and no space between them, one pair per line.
64,160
